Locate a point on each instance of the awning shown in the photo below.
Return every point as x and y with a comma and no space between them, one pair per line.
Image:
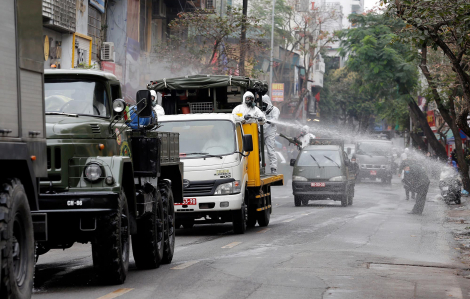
450,136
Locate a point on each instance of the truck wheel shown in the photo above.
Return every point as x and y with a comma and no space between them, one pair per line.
345,200
110,250
147,244
169,225
264,216
16,241
239,220
251,221
297,201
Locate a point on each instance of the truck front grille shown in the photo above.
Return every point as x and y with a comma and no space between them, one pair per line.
199,188
54,158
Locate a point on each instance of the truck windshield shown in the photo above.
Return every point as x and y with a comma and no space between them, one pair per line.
319,158
200,138
79,97
374,148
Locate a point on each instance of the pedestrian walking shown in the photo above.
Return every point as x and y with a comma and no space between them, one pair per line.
416,180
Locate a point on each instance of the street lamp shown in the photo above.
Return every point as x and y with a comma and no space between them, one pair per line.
271,60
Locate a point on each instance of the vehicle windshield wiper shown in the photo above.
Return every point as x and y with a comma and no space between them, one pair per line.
62,113
332,161
315,161
189,154
213,156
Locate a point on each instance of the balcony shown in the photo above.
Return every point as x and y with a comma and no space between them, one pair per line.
59,15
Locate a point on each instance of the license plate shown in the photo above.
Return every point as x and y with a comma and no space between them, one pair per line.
373,172
187,202
317,184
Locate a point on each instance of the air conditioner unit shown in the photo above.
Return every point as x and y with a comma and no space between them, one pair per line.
107,51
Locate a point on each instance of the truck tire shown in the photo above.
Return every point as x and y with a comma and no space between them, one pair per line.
265,215
239,220
16,241
297,201
110,250
169,224
147,244
345,200
251,221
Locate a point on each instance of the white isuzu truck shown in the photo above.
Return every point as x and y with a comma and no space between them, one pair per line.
224,178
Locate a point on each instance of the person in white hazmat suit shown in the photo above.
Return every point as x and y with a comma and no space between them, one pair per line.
159,111
305,136
272,114
247,112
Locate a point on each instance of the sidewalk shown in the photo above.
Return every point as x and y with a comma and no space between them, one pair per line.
458,222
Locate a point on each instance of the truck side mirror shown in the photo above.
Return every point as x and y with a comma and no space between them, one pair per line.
144,103
247,143
292,162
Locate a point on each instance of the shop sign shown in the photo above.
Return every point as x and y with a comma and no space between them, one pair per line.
431,120
277,92
109,67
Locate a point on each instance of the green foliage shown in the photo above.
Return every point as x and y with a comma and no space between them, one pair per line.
386,70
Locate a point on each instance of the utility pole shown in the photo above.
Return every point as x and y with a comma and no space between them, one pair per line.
271,59
243,39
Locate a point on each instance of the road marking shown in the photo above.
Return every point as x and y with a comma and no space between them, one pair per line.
289,220
185,265
263,230
116,293
231,245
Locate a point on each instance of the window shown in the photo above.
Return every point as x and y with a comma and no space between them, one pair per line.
76,96
240,138
322,158
199,138
94,30
210,4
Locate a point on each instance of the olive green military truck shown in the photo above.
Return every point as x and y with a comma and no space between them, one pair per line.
106,181
22,141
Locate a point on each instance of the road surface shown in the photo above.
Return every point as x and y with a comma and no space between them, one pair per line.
373,249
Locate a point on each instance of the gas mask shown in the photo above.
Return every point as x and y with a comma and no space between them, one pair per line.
250,102
264,107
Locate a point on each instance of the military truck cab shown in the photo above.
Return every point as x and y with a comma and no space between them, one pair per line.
106,181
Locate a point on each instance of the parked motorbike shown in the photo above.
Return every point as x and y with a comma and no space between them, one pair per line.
451,186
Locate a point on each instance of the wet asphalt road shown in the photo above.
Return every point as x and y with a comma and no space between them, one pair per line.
373,249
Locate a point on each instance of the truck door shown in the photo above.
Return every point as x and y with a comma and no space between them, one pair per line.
9,71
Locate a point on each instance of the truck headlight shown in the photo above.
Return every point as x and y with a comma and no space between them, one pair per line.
93,172
338,179
297,178
228,188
